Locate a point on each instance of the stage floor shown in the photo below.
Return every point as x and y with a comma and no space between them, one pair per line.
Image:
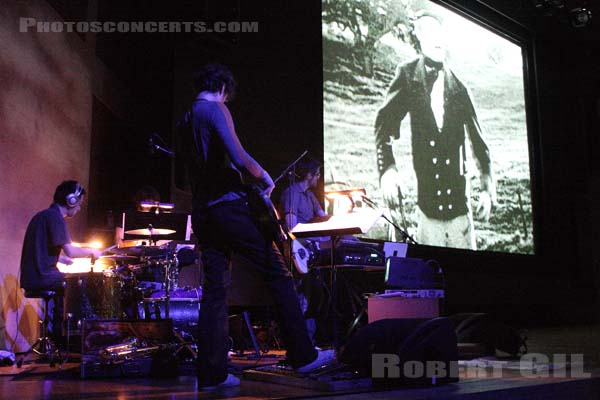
483,380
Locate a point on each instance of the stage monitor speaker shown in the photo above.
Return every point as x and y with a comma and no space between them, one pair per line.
492,335
413,352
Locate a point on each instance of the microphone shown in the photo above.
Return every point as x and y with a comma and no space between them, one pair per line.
154,146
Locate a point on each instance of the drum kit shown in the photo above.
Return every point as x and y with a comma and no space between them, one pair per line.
109,288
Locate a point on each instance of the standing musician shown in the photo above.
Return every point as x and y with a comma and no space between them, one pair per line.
215,162
46,237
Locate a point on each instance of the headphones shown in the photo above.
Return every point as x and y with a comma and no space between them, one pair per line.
72,199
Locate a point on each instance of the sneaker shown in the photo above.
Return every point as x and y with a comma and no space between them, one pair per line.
324,357
230,381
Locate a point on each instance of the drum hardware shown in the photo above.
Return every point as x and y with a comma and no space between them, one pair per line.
171,263
141,251
183,311
119,258
94,295
136,267
171,274
149,287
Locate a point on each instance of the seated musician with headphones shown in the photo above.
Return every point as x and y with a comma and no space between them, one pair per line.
46,237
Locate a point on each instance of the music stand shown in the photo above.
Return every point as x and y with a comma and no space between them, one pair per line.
334,227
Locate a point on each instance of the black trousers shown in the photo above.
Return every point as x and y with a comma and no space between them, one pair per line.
227,228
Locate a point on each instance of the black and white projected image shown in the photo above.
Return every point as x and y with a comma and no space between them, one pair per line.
425,110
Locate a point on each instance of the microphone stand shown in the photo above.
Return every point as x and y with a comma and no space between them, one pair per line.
291,166
404,233
158,147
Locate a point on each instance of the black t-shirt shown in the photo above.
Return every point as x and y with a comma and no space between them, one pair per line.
45,236
208,166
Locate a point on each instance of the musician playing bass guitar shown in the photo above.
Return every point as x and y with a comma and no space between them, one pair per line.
215,161
298,204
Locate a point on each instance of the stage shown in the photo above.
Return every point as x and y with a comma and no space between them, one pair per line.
580,380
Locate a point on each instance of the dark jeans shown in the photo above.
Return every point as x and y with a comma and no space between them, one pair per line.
222,229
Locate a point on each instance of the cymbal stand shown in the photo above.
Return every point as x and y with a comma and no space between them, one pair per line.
170,279
171,283
151,239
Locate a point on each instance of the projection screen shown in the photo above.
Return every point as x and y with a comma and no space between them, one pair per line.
424,109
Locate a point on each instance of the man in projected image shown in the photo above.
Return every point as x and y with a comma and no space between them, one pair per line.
441,111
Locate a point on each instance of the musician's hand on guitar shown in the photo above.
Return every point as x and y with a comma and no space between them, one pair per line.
267,183
390,188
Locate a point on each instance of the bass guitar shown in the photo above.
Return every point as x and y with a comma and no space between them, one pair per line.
301,257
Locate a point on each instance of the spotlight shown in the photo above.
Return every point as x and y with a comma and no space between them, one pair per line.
580,17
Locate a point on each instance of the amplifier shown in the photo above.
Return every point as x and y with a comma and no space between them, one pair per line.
354,253
385,307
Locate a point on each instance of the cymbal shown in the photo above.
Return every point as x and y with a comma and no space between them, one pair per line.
141,251
150,232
